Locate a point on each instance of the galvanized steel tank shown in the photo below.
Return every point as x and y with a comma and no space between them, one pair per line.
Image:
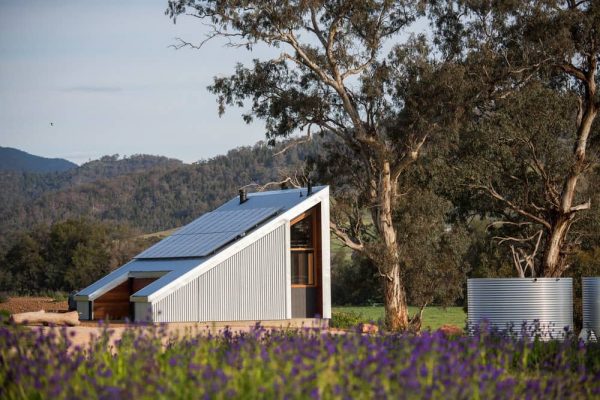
591,308
509,302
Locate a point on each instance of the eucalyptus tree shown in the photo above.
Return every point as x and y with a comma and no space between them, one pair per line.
529,144
333,77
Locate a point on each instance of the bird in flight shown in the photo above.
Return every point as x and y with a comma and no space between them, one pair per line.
51,123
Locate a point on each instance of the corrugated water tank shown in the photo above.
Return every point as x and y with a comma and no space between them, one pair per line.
508,303
591,308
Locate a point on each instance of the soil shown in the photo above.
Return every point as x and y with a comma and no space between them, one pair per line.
27,304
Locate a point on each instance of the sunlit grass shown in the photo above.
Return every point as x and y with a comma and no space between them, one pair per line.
433,317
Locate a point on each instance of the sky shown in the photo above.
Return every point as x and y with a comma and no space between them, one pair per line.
102,73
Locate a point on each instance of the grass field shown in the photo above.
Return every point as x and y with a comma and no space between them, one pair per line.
433,317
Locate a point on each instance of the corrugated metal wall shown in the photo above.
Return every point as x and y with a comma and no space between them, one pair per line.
591,306
513,300
250,285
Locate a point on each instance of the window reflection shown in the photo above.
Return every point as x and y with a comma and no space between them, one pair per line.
302,243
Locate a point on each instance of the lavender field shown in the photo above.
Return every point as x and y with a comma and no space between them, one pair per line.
305,364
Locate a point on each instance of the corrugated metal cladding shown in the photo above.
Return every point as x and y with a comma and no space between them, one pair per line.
208,233
250,285
591,306
506,301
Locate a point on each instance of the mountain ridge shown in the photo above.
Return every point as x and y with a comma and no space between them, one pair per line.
12,159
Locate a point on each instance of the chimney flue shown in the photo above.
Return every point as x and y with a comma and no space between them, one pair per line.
243,196
309,191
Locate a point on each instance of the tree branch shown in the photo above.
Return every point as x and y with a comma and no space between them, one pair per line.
493,193
343,236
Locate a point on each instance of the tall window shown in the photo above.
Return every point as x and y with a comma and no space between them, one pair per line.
303,243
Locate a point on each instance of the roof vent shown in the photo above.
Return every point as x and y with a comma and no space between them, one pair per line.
243,196
309,191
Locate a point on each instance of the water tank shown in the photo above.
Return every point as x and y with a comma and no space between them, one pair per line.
506,303
591,308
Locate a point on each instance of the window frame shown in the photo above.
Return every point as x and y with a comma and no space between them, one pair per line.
315,249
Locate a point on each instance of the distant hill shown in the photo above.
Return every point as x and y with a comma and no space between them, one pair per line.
148,193
18,160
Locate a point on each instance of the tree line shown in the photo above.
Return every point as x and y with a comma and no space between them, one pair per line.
67,255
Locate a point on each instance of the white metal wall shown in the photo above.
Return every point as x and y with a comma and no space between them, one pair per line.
250,285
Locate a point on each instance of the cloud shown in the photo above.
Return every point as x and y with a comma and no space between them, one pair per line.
94,89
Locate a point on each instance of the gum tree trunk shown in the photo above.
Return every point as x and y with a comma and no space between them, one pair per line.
554,258
396,309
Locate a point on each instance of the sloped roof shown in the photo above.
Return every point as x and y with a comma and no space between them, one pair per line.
208,233
198,241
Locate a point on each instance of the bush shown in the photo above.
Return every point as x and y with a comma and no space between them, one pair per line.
345,319
3,297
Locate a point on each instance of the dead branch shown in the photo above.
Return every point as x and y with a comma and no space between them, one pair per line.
260,188
521,259
343,236
295,143
583,206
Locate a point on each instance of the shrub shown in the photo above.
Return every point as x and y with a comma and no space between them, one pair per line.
345,319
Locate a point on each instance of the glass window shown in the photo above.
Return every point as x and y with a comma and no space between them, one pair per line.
302,243
303,268
301,234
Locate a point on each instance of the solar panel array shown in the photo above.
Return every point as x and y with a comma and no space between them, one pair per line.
208,233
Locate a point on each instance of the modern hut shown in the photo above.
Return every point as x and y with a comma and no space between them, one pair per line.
259,257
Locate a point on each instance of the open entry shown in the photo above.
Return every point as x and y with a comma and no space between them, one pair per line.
305,248
115,304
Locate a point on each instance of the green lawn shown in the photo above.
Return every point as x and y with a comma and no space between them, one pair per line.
433,317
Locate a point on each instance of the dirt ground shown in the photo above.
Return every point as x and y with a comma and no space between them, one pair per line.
83,334
28,304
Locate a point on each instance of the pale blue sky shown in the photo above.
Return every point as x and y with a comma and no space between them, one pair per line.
102,73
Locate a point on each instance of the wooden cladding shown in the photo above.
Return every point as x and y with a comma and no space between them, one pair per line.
114,304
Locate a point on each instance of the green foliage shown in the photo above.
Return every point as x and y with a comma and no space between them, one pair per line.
354,281
345,319
67,255
529,140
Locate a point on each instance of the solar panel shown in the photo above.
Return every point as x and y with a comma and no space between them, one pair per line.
227,221
208,233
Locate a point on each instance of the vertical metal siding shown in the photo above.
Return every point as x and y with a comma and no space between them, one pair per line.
512,301
591,306
249,285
